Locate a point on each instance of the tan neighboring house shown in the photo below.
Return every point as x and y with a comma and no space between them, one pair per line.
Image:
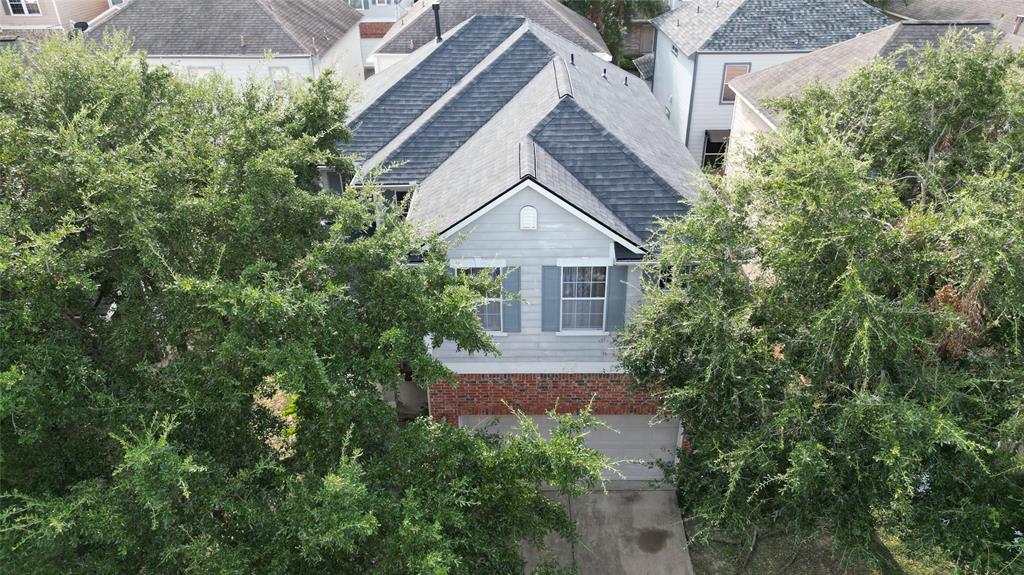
753,116
21,17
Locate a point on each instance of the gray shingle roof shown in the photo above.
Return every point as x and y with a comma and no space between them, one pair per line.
468,111
230,28
766,25
606,167
410,95
416,27
831,65
645,66
526,112
1001,13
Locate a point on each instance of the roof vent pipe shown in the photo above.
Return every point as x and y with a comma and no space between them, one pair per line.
436,5
1017,23
604,73
572,58
625,80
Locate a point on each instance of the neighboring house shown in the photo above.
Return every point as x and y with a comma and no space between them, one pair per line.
417,27
829,67
540,161
378,17
48,14
704,44
1006,15
275,39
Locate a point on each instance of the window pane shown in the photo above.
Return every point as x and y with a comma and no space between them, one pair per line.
490,315
732,71
583,292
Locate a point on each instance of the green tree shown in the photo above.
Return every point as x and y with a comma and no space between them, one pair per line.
613,17
841,329
194,338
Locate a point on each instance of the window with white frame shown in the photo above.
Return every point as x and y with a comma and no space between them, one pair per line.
490,310
583,297
23,7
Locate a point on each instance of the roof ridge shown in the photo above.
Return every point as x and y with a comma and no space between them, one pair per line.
555,7
265,5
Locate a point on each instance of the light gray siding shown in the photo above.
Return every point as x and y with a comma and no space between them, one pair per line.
496,237
673,80
709,113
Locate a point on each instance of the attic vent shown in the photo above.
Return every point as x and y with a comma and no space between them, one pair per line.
528,218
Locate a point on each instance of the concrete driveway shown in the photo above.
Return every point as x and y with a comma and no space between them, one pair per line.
628,531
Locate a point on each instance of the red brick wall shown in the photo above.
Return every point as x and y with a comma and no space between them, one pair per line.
536,394
374,29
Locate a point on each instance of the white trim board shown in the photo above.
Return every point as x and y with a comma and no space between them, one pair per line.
497,367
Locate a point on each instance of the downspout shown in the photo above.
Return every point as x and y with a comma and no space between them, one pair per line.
693,87
56,10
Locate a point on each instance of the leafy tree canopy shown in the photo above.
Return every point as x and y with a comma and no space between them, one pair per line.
613,17
194,339
843,328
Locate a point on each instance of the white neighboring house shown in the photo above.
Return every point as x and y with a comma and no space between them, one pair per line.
241,39
417,26
18,17
701,45
378,17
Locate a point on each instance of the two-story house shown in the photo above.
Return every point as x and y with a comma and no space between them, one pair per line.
25,16
702,45
241,39
829,67
378,17
542,162
417,27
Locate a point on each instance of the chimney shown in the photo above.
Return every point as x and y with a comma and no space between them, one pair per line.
436,5
1017,23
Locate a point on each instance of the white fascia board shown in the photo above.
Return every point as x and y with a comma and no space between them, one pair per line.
544,191
534,367
583,262
477,263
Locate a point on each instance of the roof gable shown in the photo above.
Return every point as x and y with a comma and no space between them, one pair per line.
526,111
766,25
238,27
607,168
416,27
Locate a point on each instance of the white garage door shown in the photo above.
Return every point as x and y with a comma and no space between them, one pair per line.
633,442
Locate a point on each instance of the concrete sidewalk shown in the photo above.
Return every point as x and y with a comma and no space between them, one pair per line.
627,531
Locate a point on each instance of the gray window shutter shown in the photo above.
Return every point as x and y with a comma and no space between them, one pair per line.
510,307
551,298
616,318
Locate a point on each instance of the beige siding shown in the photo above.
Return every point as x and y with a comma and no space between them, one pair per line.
58,14
747,125
345,58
